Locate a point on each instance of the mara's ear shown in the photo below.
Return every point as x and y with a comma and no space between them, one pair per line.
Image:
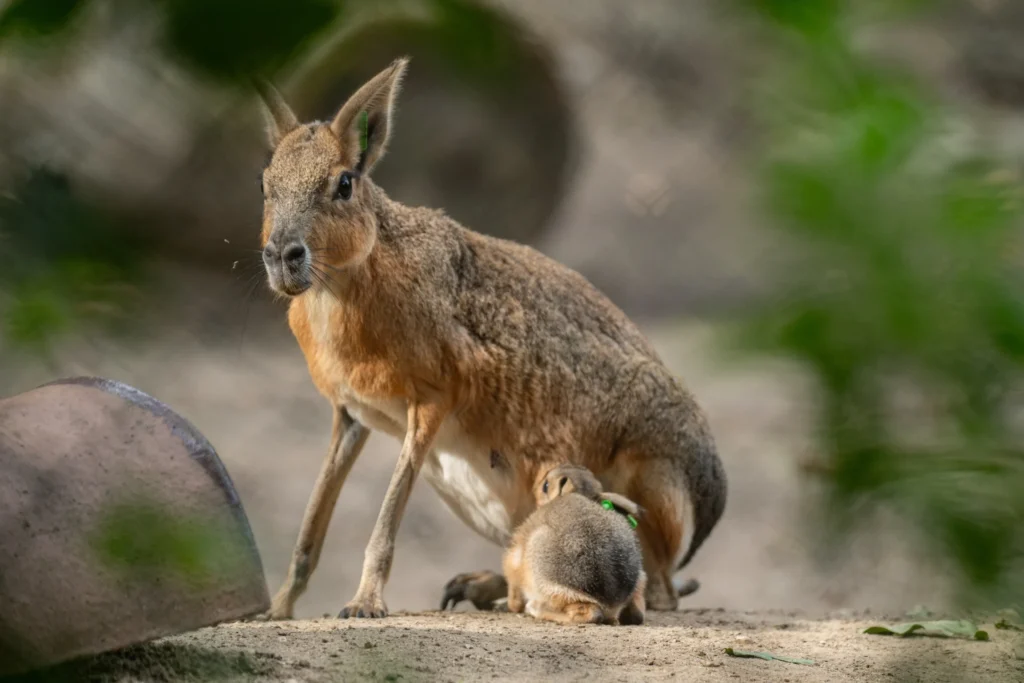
279,117
364,123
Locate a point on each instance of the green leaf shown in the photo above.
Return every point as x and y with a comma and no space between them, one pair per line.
937,629
767,657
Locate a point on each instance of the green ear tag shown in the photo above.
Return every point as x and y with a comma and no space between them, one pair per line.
364,130
607,505
632,520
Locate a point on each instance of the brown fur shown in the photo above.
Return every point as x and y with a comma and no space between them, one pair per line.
490,361
572,561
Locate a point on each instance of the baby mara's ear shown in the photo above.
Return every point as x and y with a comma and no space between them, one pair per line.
624,503
576,480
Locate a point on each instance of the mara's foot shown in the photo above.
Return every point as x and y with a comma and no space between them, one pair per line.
660,595
486,590
370,607
269,615
279,611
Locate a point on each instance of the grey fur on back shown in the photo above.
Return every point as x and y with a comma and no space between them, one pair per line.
587,548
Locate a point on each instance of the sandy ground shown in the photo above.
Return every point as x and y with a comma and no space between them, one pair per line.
685,646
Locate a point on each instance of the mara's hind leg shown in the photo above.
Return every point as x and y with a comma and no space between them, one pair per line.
660,594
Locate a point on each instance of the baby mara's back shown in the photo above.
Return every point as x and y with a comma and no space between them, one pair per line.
580,545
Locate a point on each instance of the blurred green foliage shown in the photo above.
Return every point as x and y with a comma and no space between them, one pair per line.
147,540
228,40
233,39
38,17
904,297
63,263
475,41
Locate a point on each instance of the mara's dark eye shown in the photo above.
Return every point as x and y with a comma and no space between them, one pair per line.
545,487
344,190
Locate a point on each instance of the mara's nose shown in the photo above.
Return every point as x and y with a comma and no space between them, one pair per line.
293,255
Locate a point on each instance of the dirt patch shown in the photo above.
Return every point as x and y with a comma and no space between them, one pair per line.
165,662
469,646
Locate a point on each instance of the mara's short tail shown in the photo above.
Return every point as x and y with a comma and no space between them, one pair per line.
685,587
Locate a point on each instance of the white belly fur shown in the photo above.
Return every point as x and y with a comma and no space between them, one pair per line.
460,471
476,495
481,495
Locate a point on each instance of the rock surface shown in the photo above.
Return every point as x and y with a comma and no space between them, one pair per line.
118,524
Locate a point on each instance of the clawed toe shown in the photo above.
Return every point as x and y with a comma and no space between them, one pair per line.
373,608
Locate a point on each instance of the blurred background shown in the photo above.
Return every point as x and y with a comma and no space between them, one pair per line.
813,208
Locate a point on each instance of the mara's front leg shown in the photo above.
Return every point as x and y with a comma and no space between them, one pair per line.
347,440
424,420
